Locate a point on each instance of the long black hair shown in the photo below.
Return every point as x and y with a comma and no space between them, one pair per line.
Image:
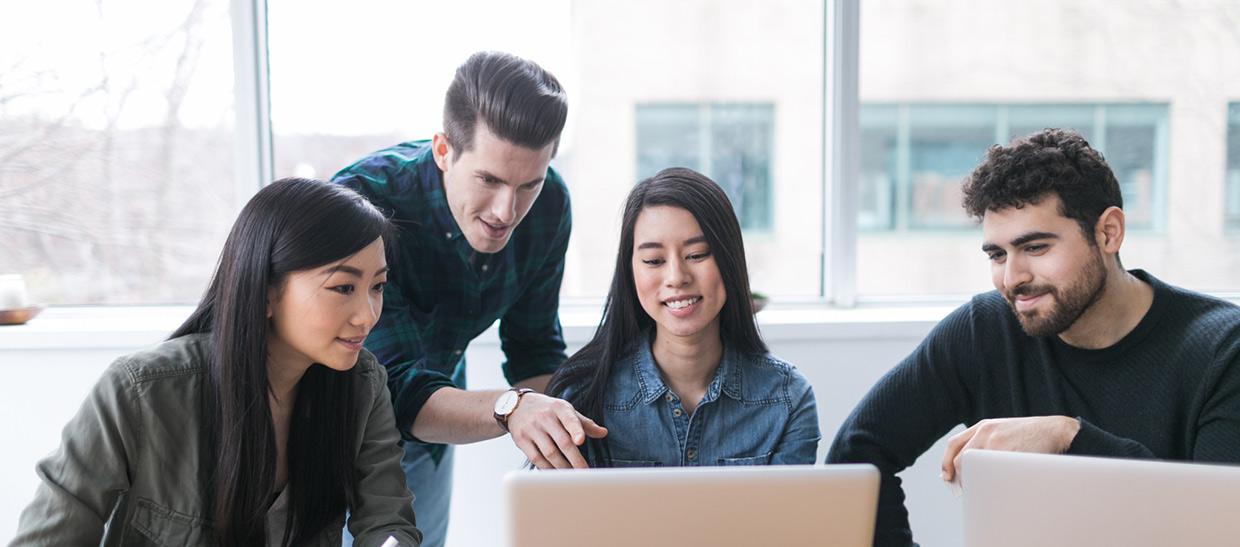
586,373
290,225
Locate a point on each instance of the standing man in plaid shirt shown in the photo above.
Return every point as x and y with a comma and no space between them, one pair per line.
484,225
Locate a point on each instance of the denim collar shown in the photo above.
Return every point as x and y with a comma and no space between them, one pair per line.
650,384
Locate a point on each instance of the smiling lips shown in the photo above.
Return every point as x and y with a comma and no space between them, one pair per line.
682,306
494,231
354,343
1025,302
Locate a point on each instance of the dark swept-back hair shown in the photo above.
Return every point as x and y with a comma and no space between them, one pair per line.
517,100
587,372
1031,168
291,225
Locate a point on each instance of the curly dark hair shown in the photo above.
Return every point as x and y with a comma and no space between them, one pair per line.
1051,161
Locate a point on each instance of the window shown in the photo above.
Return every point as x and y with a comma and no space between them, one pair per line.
116,148
914,157
937,89
732,89
1233,166
731,143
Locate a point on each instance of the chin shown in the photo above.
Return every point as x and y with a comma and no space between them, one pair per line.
486,245
339,364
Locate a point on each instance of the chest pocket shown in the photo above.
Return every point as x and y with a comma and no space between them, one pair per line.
153,524
752,460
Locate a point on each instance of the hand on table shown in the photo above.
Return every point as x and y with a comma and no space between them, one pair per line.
1043,434
549,430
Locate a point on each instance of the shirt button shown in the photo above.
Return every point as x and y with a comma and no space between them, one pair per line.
457,352
691,453
677,412
484,267
448,235
669,397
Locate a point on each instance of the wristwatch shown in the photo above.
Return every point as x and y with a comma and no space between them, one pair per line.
507,403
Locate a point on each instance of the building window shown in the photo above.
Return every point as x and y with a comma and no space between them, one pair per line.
728,142
1233,167
914,156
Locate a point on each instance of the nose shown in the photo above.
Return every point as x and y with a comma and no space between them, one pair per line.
366,311
676,275
504,207
1015,273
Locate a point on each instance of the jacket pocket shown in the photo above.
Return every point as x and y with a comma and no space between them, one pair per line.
764,459
615,462
153,524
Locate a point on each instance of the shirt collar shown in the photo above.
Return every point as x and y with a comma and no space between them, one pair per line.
727,378
436,200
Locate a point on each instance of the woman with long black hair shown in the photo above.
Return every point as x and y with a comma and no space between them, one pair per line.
261,420
677,371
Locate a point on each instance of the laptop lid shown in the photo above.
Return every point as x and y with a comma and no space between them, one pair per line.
1017,499
717,506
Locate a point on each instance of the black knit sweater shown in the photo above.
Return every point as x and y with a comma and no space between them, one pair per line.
1169,389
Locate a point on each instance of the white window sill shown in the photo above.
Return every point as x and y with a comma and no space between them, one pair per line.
104,327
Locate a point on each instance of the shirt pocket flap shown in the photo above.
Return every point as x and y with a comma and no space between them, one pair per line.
764,459
163,526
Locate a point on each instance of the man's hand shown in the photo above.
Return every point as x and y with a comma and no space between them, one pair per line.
1044,434
549,430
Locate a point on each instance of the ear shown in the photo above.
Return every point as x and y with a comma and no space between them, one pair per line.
1109,231
441,150
273,296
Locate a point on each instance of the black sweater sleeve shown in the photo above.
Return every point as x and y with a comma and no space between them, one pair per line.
910,408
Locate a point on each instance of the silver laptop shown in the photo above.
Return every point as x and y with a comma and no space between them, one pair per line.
716,506
1016,500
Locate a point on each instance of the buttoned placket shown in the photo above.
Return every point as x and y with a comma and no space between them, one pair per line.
687,435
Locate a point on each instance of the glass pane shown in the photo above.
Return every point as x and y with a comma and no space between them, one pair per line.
944,145
701,85
116,148
879,165
668,136
1123,84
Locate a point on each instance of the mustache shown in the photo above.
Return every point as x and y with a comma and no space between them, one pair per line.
1029,290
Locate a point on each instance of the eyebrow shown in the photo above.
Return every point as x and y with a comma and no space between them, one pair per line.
1023,239
488,174
350,270
657,245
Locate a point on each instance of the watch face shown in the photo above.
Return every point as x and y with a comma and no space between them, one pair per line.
506,403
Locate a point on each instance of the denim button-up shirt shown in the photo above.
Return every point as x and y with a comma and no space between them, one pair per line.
758,410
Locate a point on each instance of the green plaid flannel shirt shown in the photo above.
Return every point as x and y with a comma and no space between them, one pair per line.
441,294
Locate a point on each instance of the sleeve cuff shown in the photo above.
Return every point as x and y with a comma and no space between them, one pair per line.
407,413
1092,440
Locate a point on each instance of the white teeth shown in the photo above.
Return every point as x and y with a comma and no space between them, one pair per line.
680,304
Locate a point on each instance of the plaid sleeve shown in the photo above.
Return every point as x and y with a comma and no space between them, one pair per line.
395,340
397,343
530,332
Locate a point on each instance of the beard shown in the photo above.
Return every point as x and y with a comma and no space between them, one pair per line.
1068,303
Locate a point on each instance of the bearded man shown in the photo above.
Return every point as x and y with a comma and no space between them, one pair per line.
1070,354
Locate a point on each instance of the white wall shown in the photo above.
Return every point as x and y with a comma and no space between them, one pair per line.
44,384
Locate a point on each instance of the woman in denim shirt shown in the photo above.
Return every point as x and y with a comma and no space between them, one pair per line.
677,372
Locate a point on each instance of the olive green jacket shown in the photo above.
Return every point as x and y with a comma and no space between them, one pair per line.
128,468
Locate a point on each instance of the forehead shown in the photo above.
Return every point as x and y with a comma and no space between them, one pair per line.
512,162
369,259
1001,226
665,223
